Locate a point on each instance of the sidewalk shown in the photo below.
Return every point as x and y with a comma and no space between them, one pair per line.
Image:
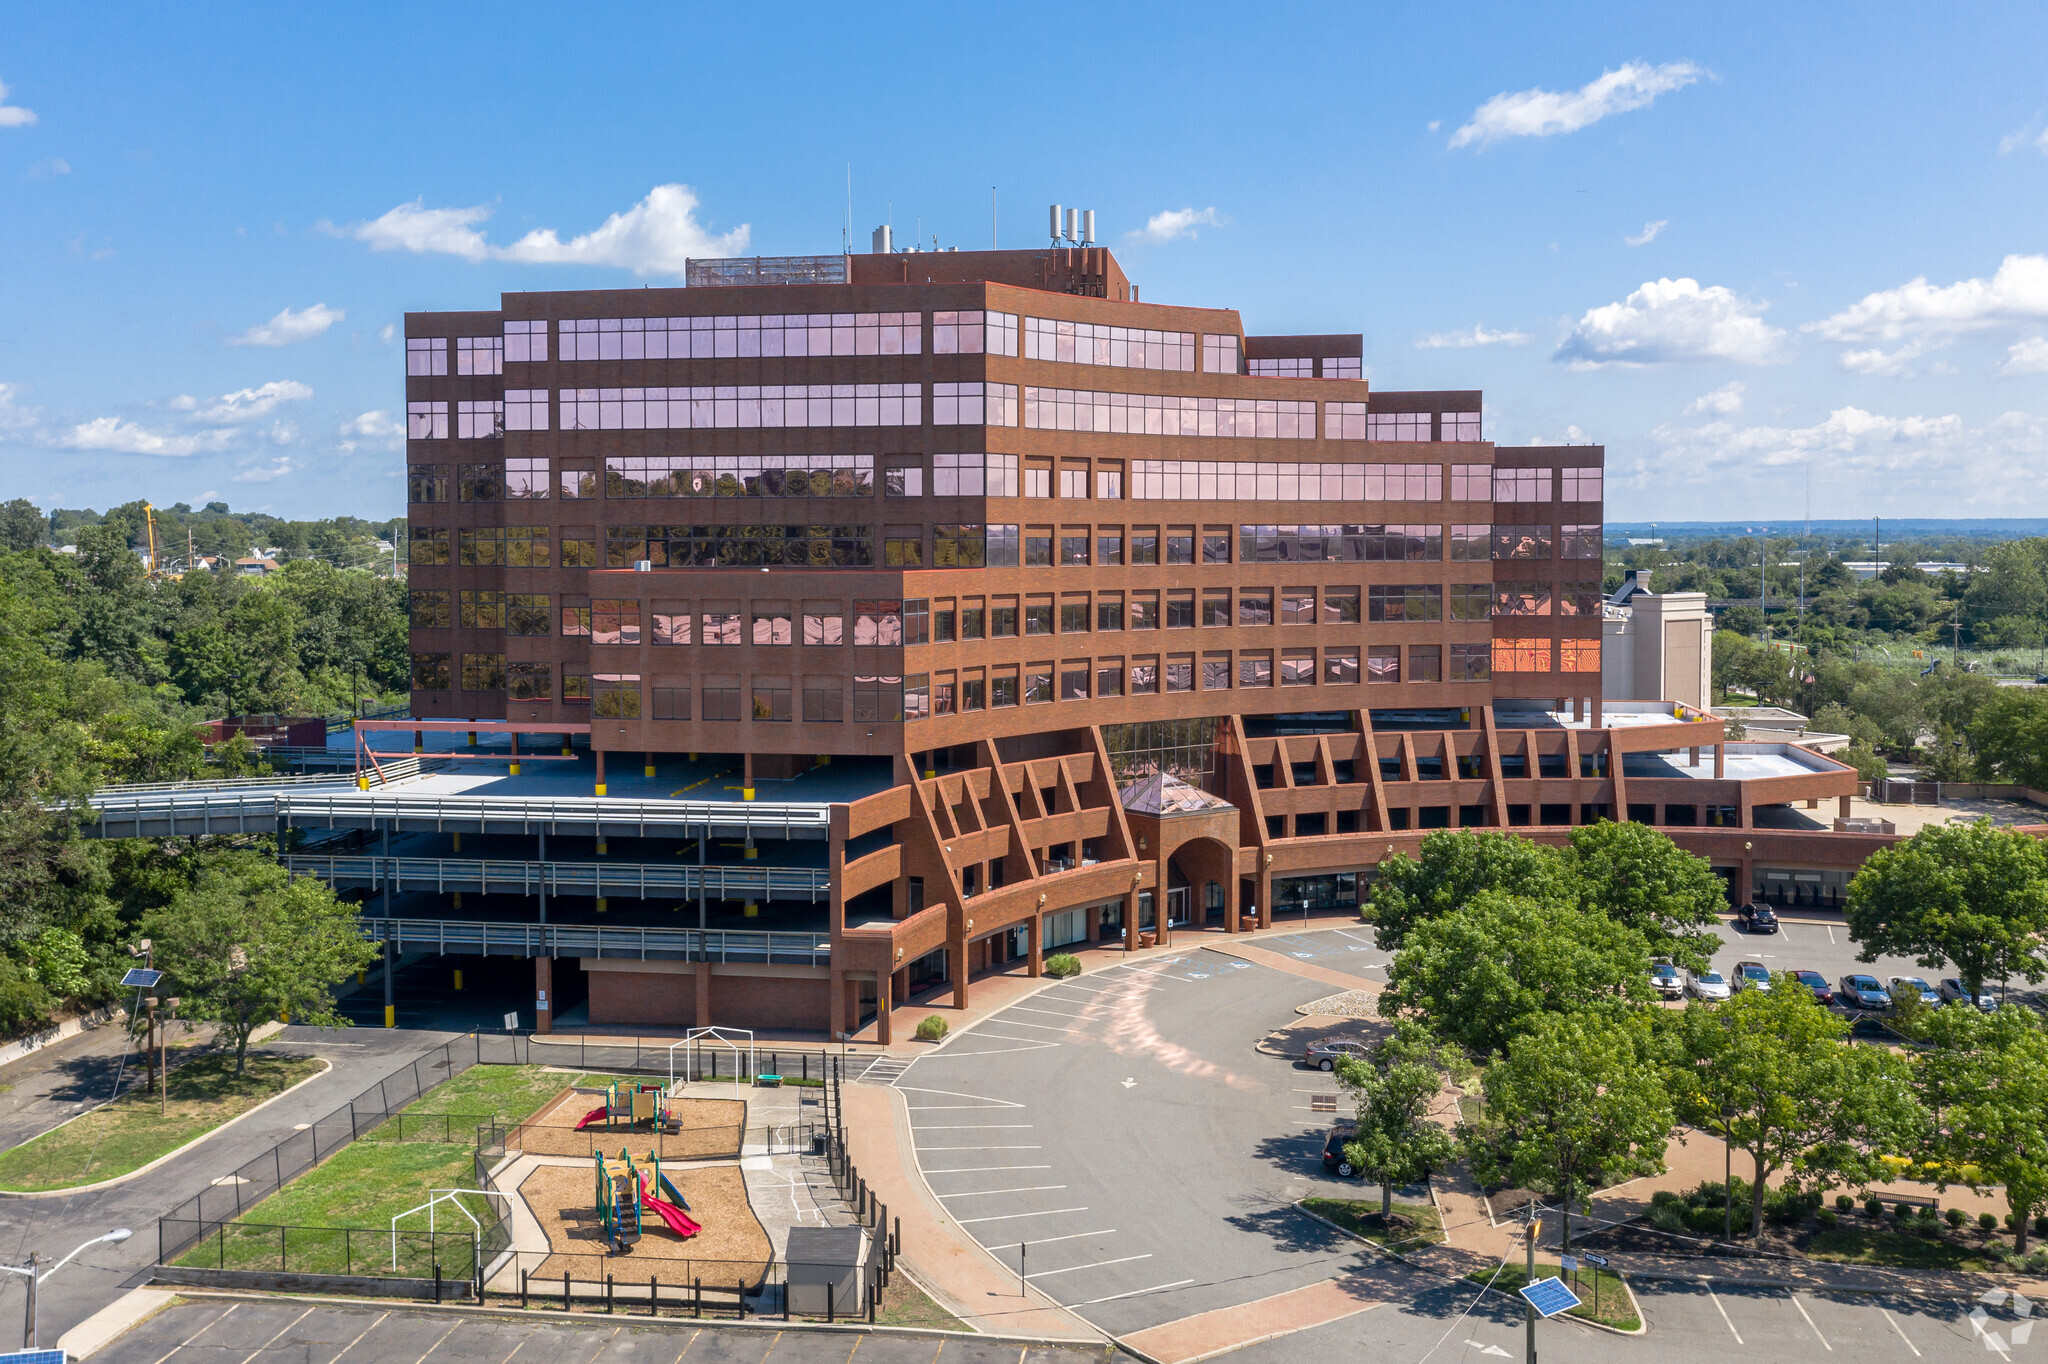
957,1272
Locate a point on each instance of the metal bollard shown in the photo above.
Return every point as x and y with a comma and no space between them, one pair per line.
653,1295
609,1305
522,1290
565,1290
697,1307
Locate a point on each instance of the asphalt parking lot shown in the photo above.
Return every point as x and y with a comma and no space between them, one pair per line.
218,1331
1121,1129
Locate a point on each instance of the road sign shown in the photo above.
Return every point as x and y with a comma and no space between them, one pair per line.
511,1022
1550,1296
1568,1264
140,978
1590,1258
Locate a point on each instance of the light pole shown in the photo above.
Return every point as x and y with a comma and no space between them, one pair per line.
1727,1172
35,1280
160,1015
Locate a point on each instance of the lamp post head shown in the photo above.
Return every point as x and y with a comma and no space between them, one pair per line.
117,1235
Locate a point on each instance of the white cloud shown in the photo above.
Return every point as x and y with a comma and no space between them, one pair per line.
378,429
1897,364
2018,292
1650,233
1435,124
1927,463
2026,357
1478,336
264,473
13,416
116,435
654,237
1174,223
50,169
1542,113
386,332
1721,402
245,404
289,327
13,115
1572,436
415,227
1673,321
2031,133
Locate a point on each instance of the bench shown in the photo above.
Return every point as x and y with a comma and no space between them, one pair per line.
1927,1201
768,1081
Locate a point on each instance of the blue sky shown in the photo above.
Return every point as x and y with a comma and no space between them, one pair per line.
1736,247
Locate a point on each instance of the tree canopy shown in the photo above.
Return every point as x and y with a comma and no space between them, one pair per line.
1396,1142
1971,894
1453,867
1636,876
1985,1079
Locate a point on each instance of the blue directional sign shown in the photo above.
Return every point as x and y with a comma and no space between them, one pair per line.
1550,1296
138,978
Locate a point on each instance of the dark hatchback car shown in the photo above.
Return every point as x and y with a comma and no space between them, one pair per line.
1823,993
1333,1149
1756,918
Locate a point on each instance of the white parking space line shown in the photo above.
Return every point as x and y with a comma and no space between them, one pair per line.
1725,1317
976,1148
1135,1292
1901,1330
990,1193
223,1317
1004,1217
280,1333
1020,1023
972,1127
1071,1236
353,1343
1809,1321
1355,938
1049,1013
1005,1037
985,1169
1070,1269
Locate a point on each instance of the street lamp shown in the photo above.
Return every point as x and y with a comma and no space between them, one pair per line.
35,1280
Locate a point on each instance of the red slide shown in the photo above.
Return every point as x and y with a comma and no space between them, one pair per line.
678,1221
592,1116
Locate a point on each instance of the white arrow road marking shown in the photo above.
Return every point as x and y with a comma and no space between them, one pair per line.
1487,1349
1129,1082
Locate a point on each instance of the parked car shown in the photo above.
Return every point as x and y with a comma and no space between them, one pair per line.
1752,975
1333,1149
1952,990
1862,992
1667,980
1707,985
1905,986
1818,983
1325,1052
1756,918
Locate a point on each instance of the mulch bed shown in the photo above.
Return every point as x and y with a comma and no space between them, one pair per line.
731,1247
711,1128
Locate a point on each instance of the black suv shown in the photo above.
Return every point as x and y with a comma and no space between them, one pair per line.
1756,918
1333,1149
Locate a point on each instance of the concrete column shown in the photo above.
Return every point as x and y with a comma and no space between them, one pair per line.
747,777
650,766
544,994
885,991
1720,762
600,771
957,968
515,754
837,1005
1035,945
1846,807
704,993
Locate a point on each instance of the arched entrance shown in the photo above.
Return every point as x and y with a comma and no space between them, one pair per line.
1201,882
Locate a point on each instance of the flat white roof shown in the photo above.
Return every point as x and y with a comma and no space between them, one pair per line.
1745,762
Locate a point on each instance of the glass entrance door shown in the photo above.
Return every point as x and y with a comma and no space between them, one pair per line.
1179,901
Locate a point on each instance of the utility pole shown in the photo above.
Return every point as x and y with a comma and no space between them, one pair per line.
28,1328
1529,1308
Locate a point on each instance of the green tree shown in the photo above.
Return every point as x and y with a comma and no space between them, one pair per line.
1477,975
1770,1073
1396,1142
2010,734
22,525
1985,1078
1636,876
1454,866
1971,894
1578,1103
247,942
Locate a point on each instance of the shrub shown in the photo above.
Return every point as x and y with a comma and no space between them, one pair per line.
1873,1206
1788,1206
1669,1216
1844,1203
931,1029
1904,1211
1829,1217
1665,1198
1987,1222
2011,1223
1707,1221
2038,1262
2041,1225
1063,964
1956,1217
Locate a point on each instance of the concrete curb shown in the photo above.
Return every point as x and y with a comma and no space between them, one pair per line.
325,1067
544,1316
124,1313
45,1038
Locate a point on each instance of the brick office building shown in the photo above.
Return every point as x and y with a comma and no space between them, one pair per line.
1112,617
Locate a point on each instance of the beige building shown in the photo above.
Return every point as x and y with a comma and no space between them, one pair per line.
1656,647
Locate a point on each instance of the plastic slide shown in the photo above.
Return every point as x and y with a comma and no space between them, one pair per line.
676,1219
675,1195
592,1116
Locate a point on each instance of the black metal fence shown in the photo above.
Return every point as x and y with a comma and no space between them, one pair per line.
203,1233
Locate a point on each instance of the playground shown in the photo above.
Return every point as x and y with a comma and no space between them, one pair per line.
730,1244
581,1122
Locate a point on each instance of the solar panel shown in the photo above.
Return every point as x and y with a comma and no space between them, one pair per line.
141,978
35,1357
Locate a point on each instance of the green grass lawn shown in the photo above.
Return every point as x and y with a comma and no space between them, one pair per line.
361,1187
1616,1307
129,1133
1871,1246
1361,1217
454,1109
905,1304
